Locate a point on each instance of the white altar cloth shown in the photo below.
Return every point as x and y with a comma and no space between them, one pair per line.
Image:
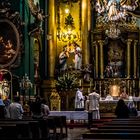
71,115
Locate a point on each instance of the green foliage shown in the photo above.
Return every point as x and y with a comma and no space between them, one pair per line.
66,82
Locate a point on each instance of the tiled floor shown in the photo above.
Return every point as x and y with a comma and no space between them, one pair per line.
75,133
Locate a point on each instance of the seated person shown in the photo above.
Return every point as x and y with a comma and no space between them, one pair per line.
121,110
109,97
124,95
132,109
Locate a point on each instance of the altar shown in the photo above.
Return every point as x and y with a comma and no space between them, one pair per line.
106,106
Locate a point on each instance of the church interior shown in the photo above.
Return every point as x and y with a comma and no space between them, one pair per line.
51,48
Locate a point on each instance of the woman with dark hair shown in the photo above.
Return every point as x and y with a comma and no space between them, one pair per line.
121,110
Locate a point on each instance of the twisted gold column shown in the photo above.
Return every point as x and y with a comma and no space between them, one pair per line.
135,58
101,59
128,57
52,41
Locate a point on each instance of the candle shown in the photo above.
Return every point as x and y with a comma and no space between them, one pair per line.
80,83
17,93
88,90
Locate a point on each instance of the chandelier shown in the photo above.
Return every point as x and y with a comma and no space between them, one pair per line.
69,36
113,31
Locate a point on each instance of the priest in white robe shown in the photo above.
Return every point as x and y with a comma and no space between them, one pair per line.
79,99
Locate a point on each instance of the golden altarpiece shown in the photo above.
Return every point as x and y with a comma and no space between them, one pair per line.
115,40
107,34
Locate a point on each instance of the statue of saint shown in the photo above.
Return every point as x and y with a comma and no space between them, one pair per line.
63,59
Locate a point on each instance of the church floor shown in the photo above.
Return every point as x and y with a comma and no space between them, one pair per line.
75,133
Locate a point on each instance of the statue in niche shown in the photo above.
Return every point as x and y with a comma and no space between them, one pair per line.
36,27
78,56
71,57
63,56
115,60
87,71
108,71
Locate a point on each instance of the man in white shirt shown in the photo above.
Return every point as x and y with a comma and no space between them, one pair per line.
79,99
15,109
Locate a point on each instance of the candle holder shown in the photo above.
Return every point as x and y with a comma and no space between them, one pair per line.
25,86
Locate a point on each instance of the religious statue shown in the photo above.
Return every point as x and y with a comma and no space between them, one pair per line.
78,56
108,71
63,59
113,10
38,15
87,70
129,4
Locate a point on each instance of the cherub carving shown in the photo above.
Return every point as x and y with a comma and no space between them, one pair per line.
38,18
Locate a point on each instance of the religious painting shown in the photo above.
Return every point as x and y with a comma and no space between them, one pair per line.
10,36
115,61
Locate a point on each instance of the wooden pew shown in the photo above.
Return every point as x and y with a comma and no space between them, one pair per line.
111,136
103,130
122,123
8,131
24,129
58,122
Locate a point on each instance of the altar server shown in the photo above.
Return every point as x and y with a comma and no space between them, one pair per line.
94,98
79,99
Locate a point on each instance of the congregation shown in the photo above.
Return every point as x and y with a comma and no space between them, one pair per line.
37,109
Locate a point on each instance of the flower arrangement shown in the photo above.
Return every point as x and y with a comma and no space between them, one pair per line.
66,82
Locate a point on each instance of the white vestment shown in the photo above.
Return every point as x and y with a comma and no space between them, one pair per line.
79,99
94,105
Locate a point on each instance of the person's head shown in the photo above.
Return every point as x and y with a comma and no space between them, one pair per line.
131,105
43,101
94,90
38,99
80,88
16,98
121,102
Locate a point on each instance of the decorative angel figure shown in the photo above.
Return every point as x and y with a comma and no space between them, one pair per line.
38,15
129,4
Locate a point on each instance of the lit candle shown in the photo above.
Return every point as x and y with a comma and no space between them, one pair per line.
80,83
88,90
17,93
90,83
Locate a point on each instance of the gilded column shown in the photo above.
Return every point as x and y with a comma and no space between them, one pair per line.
128,87
96,60
135,58
85,48
101,59
129,41
52,41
